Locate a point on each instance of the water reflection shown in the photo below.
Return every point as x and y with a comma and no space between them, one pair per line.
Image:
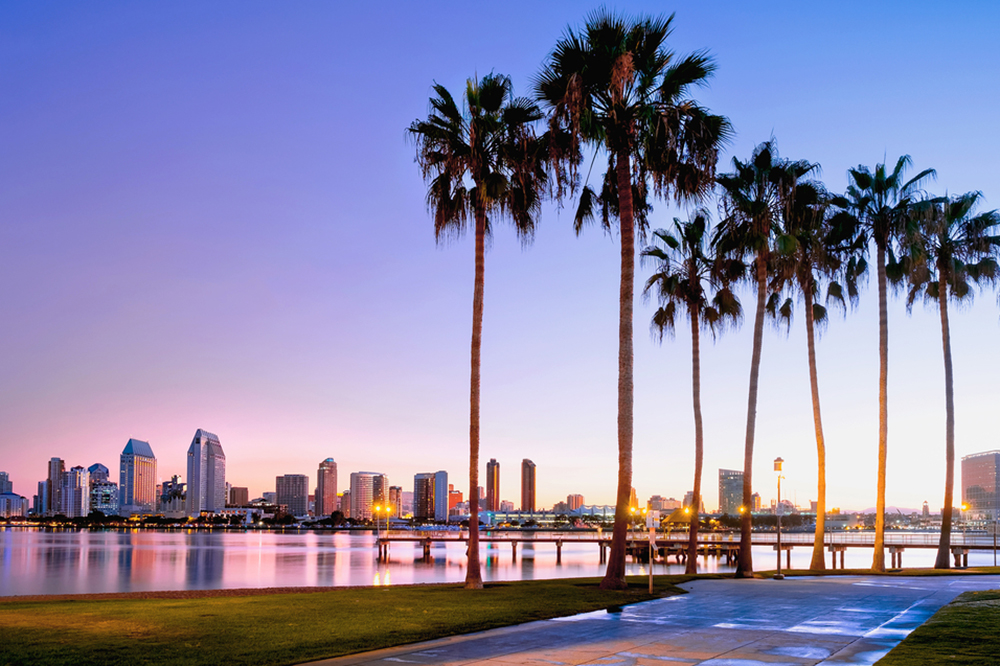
73,562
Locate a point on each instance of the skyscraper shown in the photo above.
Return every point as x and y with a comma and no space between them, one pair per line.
423,496
206,474
574,501
74,493
492,485
292,491
98,472
326,488
981,485
5,485
441,496
239,496
730,491
527,485
53,501
367,489
137,479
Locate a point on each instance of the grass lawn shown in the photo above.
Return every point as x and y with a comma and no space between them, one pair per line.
286,628
966,631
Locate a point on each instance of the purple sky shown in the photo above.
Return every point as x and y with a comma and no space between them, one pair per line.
210,218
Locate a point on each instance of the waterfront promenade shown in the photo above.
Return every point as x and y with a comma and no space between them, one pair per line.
832,620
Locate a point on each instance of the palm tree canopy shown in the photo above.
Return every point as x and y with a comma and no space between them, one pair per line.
947,243
614,85
688,277
483,155
879,198
817,244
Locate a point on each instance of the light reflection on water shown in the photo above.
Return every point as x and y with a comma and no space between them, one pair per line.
77,562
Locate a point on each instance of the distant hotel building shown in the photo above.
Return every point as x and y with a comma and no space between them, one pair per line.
239,496
292,492
430,496
981,485
527,485
367,490
206,474
137,480
574,502
492,485
326,488
730,491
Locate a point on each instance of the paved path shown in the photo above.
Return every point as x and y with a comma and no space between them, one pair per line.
828,620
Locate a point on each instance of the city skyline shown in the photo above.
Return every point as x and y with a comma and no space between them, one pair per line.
114,191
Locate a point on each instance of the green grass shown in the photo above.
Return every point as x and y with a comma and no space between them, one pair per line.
963,632
286,628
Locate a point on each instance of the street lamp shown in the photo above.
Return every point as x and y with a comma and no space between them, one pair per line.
777,468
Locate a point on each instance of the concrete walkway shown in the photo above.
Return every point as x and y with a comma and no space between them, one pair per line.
828,620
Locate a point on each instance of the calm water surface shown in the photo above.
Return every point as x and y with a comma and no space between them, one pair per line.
35,561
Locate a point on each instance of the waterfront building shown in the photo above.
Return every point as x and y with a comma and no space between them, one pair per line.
574,501
454,499
730,491
506,506
98,472
239,496
367,490
38,501
173,498
13,505
396,500
981,485
492,485
660,503
345,503
755,503
423,496
53,501
441,496
527,485
269,497
206,474
6,487
103,496
689,501
74,493
292,492
137,479
326,488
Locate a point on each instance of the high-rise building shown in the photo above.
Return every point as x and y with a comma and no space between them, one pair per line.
633,498
441,496
730,491
689,501
527,485
173,498
137,479
53,501
103,494
423,496
454,499
98,472
396,500
5,485
326,488
574,502
492,485
206,474
755,502
506,506
239,496
74,493
345,503
367,490
981,485
292,492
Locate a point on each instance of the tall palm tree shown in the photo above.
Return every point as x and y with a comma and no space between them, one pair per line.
616,87
946,248
483,162
817,242
690,278
880,200
753,196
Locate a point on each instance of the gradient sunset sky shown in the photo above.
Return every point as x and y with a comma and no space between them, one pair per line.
210,218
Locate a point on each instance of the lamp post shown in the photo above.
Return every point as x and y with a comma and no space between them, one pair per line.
777,468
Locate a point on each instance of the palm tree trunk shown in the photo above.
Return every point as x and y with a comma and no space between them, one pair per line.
818,562
878,559
692,556
614,578
944,545
744,565
473,576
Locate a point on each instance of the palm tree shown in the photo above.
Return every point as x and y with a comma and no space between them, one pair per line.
816,242
615,86
947,246
687,277
753,196
483,162
880,200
